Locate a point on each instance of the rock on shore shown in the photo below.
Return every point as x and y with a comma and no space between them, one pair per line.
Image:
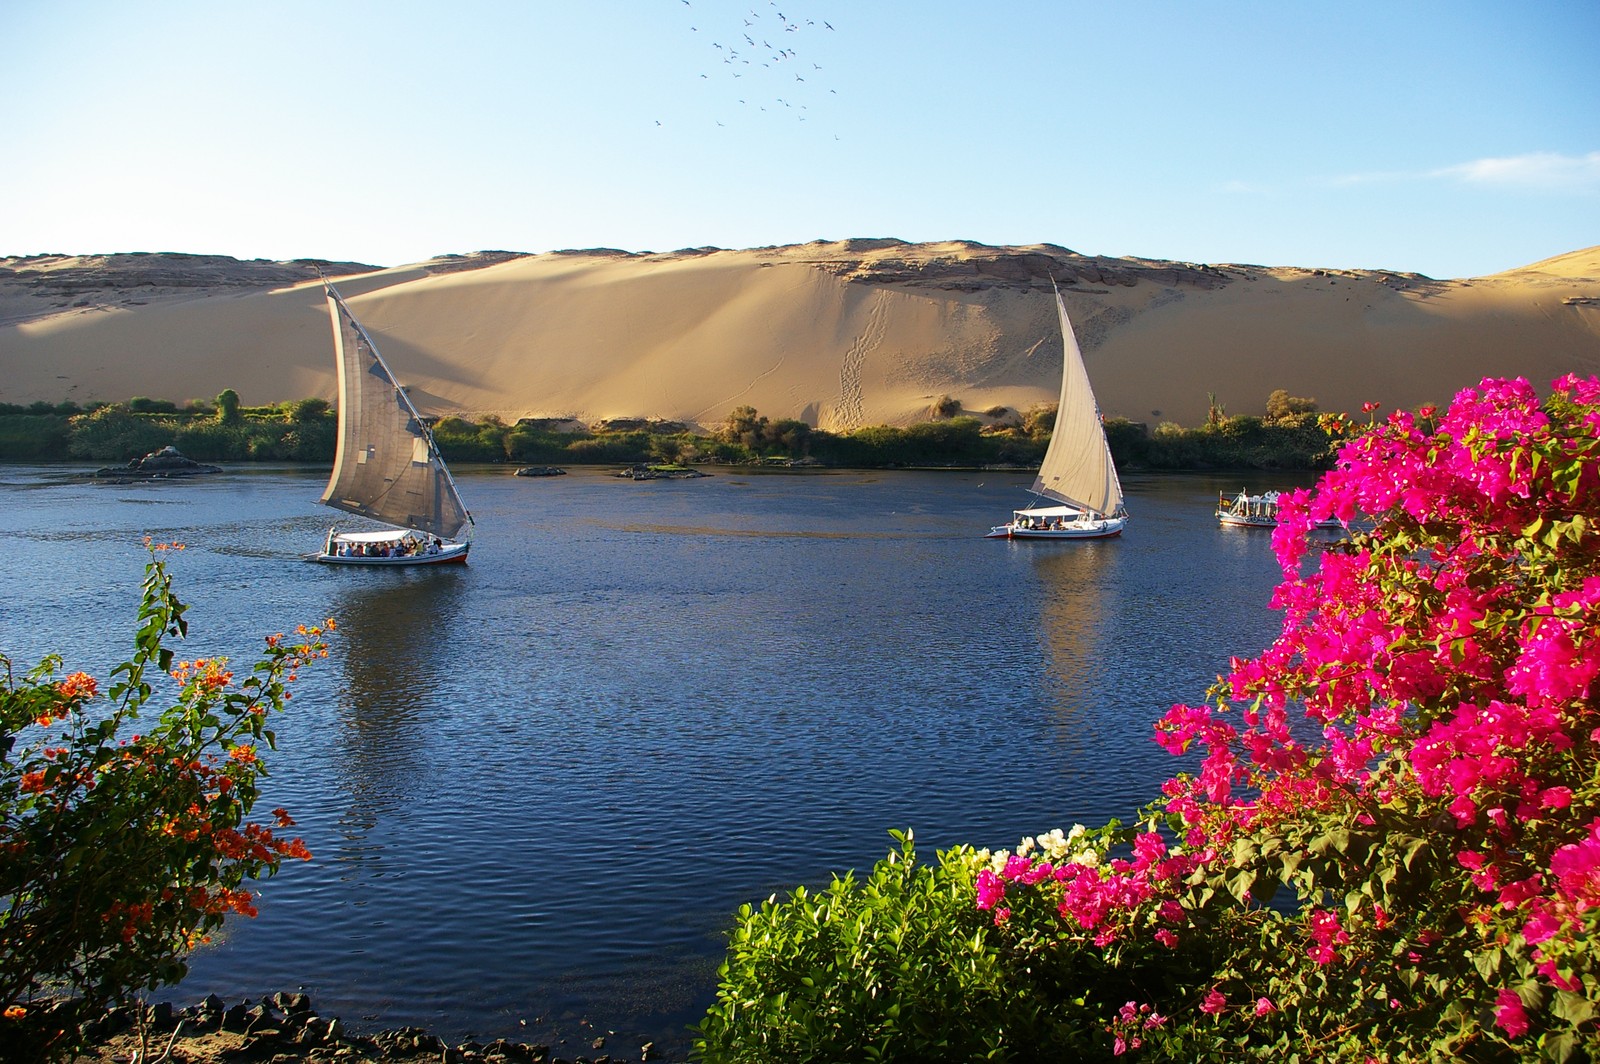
285,1029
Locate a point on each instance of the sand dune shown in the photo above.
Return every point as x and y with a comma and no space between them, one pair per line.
840,334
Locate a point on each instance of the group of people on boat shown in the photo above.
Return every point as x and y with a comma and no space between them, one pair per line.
402,548
1041,524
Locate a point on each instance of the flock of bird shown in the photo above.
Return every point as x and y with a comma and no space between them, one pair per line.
765,77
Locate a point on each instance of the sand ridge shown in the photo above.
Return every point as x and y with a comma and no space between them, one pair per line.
839,333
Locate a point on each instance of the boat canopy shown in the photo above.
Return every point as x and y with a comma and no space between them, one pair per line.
1077,467
1049,512
1267,498
385,536
387,466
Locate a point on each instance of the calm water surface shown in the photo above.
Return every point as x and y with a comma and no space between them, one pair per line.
537,786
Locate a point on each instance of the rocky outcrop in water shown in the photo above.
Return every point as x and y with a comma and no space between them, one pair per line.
165,464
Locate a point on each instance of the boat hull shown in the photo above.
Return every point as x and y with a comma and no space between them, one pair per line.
1235,521
1228,520
1085,530
453,554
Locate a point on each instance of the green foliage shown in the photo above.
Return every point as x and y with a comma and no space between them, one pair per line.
463,441
1040,421
1295,441
307,411
33,437
743,426
1281,404
891,968
305,430
539,446
115,434
125,837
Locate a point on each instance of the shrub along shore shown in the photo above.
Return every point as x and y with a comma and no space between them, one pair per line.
1292,436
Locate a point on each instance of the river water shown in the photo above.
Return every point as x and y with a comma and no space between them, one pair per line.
536,787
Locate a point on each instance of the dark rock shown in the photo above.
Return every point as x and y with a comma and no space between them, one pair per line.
237,1018
164,464
292,1005
160,1016
655,472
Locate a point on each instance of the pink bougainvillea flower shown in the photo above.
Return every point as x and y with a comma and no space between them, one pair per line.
1508,1014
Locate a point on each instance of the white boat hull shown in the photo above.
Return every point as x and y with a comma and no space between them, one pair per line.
1096,529
399,547
1232,520
451,554
1236,521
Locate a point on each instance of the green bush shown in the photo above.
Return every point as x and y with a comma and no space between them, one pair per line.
892,968
33,437
113,434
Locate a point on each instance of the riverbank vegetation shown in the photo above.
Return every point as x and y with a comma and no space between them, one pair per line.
1384,843
1291,436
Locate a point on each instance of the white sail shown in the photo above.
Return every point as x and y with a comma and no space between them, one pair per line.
387,466
1077,468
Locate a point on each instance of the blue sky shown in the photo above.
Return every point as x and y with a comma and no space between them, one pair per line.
1452,139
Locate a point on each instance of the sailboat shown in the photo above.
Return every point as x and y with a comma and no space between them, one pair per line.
387,466
1077,474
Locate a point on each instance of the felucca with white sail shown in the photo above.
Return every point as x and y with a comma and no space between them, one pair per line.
1077,474
387,466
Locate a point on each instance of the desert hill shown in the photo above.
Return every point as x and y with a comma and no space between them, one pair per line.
840,334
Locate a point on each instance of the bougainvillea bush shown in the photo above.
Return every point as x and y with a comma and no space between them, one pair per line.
124,837
1388,845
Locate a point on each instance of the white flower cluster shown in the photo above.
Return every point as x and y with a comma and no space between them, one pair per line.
1055,846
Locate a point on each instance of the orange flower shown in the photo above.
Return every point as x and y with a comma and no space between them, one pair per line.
33,782
15,1012
78,685
245,755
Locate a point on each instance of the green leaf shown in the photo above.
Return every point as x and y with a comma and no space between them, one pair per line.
1574,1008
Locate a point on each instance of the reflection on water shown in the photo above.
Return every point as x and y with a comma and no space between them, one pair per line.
396,630
1070,627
